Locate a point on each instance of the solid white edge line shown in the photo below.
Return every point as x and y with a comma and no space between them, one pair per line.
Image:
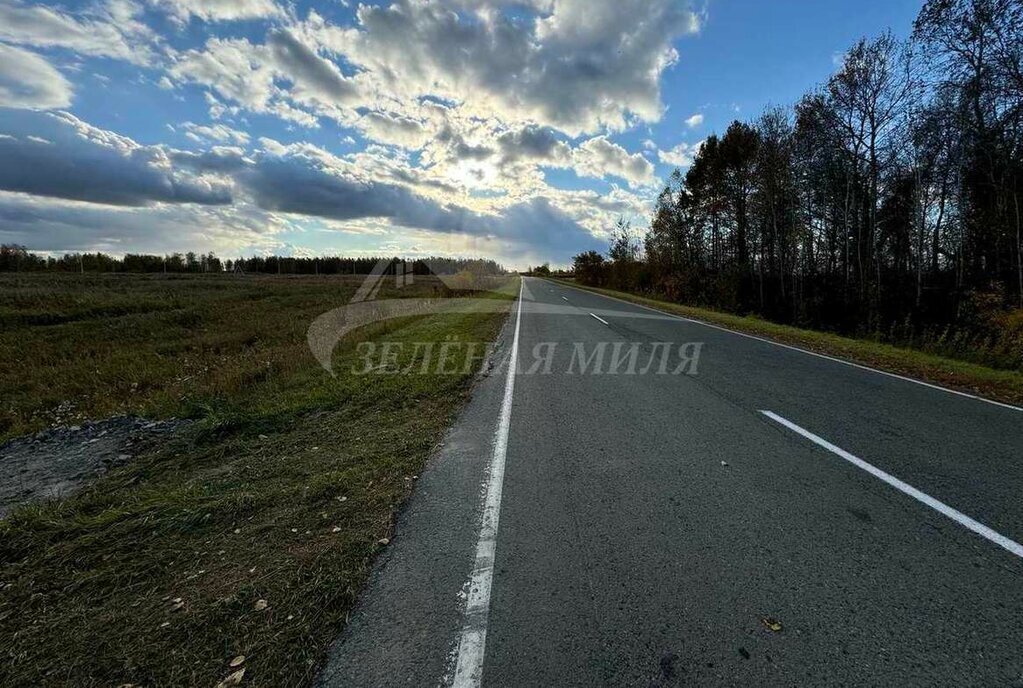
598,318
804,351
945,509
472,642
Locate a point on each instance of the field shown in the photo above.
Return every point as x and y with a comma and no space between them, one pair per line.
249,535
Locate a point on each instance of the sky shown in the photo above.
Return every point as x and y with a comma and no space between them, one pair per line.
518,130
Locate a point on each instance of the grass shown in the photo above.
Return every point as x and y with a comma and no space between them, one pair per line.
283,491
1000,385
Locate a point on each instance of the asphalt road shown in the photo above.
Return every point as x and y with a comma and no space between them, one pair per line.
662,530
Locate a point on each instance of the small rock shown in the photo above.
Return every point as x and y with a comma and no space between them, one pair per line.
237,661
261,605
724,463
383,541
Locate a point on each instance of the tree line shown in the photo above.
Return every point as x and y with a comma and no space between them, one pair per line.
887,200
15,258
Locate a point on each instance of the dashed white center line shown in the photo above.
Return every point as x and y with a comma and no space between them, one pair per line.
564,299
957,516
598,318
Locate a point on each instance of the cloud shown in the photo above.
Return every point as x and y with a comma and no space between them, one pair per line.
393,129
89,164
576,65
694,121
218,133
107,30
29,81
234,68
534,143
283,77
681,155
218,10
314,77
598,157
59,226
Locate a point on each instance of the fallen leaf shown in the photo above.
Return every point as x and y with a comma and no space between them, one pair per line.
234,679
237,661
772,624
261,605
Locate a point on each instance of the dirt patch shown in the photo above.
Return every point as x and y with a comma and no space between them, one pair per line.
53,463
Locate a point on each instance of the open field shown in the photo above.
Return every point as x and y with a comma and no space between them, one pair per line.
1001,385
282,490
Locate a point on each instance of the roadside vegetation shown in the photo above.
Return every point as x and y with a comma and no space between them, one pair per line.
248,536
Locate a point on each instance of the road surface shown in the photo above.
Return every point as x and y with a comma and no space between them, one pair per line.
777,518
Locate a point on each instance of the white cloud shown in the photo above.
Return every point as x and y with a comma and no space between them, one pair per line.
576,65
598,157
106,30
29,81
219,133
694,121
218,10
681,155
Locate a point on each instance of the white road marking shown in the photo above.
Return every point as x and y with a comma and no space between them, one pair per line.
806,351
564,298
957,516
598,318
472,642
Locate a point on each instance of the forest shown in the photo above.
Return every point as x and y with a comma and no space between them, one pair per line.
885,203
15,258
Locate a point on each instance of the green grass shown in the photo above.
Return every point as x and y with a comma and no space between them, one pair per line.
1001,385
281,492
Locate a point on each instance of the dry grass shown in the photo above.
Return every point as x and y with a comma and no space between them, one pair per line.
281,493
